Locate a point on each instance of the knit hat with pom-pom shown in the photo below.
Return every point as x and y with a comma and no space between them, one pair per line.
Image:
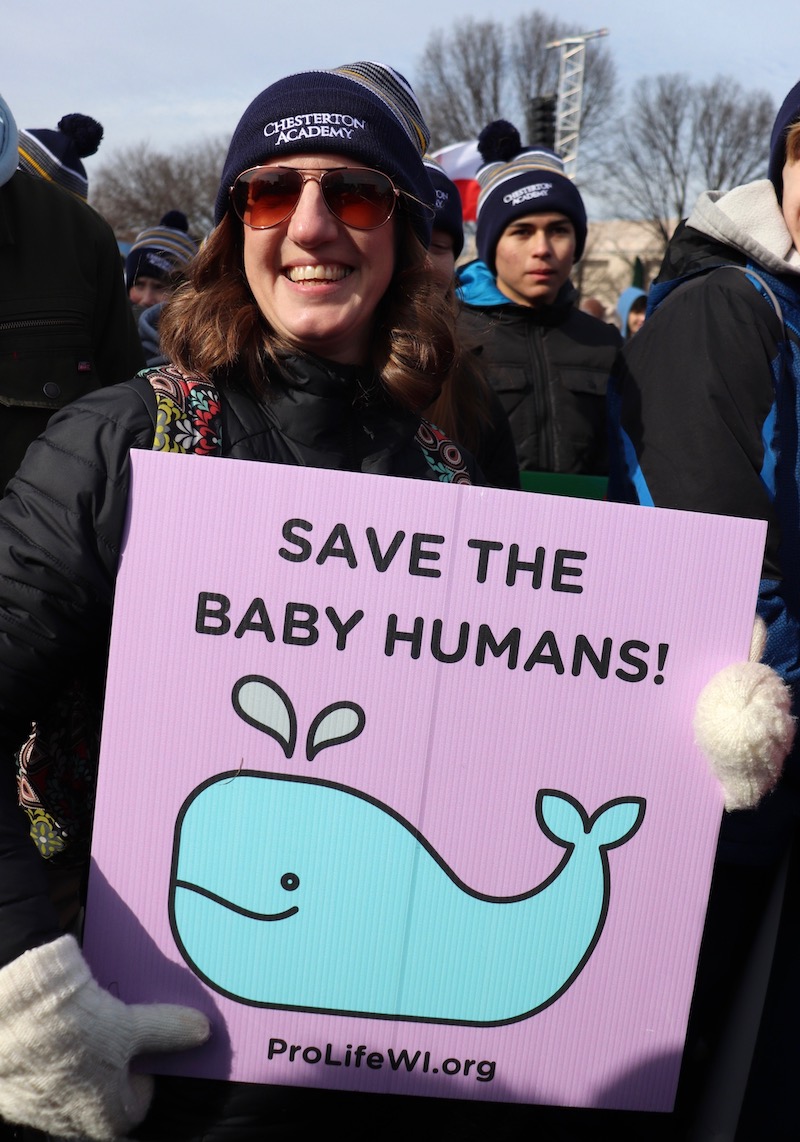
161,251
517,180
56,155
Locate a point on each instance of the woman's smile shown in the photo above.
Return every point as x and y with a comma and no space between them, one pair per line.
317,281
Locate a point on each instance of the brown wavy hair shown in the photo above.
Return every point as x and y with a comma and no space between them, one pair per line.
463,407
212,326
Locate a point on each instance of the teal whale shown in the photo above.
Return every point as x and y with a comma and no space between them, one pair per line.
303,894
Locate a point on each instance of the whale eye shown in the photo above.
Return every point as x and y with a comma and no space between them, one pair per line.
290,881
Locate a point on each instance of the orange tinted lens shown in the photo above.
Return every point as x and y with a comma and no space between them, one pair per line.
362,199
263,198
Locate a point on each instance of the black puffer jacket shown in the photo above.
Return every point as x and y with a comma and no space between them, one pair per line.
61,525
550,367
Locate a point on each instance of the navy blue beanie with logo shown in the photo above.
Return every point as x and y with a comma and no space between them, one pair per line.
517,180
447,204
364,111
788,115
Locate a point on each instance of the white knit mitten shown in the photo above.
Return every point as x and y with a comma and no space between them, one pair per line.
744,726
65,1045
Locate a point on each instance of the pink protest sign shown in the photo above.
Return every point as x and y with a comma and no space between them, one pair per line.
398,780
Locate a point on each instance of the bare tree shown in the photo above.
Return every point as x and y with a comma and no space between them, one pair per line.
481,70
463,80
535,70
137,186
733,129
677,139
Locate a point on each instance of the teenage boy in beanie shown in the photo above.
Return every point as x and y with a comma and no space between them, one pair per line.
548,361
157,257
153,268
709,420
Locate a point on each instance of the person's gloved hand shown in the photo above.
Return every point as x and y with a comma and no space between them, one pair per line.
744,725
65,1045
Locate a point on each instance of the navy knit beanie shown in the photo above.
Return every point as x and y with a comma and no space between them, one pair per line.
447,203
56,155
519,180
786,118
365,111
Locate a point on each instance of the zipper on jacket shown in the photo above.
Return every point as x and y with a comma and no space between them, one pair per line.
39,323
542,405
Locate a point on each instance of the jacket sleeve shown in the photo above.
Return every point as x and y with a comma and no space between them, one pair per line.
693,403
61,526
695,427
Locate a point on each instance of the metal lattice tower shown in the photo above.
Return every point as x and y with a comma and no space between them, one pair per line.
570,95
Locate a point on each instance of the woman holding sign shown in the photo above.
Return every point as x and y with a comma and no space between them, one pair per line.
309,333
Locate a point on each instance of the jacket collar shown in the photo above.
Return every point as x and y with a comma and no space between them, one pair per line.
477,286
748,218
337,416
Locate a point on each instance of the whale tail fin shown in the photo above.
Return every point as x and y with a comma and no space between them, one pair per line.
566,822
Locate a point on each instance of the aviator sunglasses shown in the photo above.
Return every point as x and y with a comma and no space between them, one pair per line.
361,198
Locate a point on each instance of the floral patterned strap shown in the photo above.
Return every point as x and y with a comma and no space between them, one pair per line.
56,765
443,456
56,773
188,417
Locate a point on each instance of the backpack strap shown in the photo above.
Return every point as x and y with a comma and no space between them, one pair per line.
659,292
188,412
57,764
443,456
768,292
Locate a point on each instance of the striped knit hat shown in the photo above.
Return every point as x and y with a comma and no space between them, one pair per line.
56,155
519,180
162,250
365,111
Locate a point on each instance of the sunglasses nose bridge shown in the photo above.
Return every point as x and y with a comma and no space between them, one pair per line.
311,214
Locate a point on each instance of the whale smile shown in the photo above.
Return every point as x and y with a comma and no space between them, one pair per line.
235,907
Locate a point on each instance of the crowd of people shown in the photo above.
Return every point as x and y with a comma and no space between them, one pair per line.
325,322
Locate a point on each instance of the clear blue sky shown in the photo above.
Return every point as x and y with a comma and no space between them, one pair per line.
175,71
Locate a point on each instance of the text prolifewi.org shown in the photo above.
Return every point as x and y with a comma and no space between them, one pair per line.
481,1071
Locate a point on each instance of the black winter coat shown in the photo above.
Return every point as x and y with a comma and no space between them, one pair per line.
66,326
550,368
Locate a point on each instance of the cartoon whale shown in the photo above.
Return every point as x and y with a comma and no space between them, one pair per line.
299,893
